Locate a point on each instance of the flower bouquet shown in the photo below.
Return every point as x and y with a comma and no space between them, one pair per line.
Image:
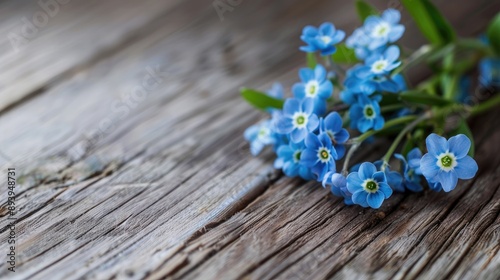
373,98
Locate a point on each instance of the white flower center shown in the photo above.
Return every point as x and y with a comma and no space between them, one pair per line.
312,88
446,161
326,39
323,155
264,132
300,120
379,66
369,112
370,186
381,30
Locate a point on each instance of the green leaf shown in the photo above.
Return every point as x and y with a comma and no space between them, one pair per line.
365,10
418,97
463,128
261,100
344,55
311,60
430,21
493,34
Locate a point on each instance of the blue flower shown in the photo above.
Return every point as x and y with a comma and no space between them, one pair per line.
315,86
338,185
259,136
276,91
447,161
359,41
289,161
297,119
368,186
411,170
355,85
319,155
383,64
383,30
321,39
365,114
394,178
489,72
331,125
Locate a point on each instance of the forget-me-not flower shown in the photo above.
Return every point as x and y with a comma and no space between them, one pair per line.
316,86
411,170
319,155
297,119
289,161
338,186
383,29
331,125
447,160
368,186
365,114
384,63
321,39
259,136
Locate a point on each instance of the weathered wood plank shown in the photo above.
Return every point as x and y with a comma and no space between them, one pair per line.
170,189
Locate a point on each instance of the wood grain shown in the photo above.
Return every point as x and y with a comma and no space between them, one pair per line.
124,121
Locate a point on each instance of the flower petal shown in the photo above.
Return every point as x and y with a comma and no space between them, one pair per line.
327,28
291,106
342,136
436,144
306,75
319,73
354,182
360,198
448,180
379,177
312,142
298,135
308,158
392,54
428,166
325,90
333,122
307,106
375,199
459,145
366,170
313,122
392,16
466,168
385,189
299,90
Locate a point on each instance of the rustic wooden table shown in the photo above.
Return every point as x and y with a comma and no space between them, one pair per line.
124,124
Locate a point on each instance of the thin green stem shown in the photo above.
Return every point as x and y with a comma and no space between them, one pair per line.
356,142
485,106
408,128
388,124
392,107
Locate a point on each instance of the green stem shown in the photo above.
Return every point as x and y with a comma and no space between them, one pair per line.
485,106
409,127
389,124
390,108
356,142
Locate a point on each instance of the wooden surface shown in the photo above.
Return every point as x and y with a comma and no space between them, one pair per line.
160,184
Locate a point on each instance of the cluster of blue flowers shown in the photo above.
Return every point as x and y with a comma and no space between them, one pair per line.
309,141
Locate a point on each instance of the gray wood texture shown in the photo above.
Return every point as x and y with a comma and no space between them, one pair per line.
124,123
